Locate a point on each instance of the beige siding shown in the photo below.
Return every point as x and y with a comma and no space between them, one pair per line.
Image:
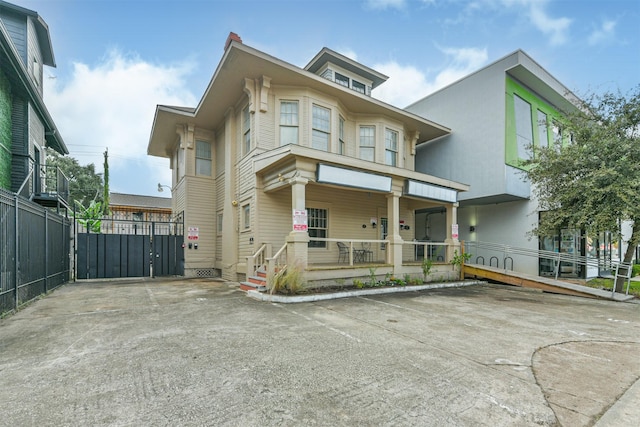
275,217
200,206
219,206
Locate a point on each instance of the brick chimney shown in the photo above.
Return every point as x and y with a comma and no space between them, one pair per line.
232,37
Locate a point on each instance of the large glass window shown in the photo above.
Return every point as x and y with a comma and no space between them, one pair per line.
321,128
524,128
203,158
288,122
317,226
543,137
246,130
367,142
391,147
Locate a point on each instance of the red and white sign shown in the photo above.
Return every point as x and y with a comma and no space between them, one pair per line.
454,231
299,220
192,233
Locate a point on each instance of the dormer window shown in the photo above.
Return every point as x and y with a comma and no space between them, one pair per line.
342,80
358,87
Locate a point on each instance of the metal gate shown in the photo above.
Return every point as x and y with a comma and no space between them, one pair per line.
130,249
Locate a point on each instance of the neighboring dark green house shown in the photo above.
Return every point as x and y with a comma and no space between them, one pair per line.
26,127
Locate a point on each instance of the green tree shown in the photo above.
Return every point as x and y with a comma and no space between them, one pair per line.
85,185
592,182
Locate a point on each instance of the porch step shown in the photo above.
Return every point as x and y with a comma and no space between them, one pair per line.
258,282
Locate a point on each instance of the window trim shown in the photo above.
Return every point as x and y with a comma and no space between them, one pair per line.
282,126
322,245
360,145
315,130
341,125
204,159
246,130
246,216
387,149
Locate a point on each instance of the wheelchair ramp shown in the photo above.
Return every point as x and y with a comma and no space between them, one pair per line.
538,282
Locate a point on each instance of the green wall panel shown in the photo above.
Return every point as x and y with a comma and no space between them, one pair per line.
5,132
537,104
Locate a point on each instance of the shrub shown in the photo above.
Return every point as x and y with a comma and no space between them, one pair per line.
289,281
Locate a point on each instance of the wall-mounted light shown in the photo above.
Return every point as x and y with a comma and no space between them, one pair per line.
234,203
472,228
160,190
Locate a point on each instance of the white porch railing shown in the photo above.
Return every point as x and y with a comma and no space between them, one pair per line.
276,262
258,259
356,250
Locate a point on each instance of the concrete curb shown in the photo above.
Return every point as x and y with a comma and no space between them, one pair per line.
625,411
260,296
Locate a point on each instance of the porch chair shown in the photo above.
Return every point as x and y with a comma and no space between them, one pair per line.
343,252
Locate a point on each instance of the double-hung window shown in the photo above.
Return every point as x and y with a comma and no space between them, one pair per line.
367,142
203,158
246,216
317,226
288,122
321,128
391,147
341,136
246,130
358,87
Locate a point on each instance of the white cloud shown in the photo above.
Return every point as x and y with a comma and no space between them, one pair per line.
603,34
407,84
386,4
112,105
556,29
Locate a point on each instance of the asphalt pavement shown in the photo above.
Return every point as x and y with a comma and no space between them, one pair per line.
201,353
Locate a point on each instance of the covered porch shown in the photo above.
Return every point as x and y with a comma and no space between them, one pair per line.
334,221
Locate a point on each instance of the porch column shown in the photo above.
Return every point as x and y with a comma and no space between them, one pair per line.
297,241
393,230
452,218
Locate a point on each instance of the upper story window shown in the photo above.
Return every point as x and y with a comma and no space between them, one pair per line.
288,122
524,126
543,134
341,136
367,142
342,80
321,128
203,158
36,71
391,147
246,130
358,87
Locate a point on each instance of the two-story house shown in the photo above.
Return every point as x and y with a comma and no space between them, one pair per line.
497,113
280,158
26,127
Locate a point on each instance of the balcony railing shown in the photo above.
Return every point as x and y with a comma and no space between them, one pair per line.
47,185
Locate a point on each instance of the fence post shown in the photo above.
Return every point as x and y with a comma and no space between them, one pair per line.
16,257
46,250
153,249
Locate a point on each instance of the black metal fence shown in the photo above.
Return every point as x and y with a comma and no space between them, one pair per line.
35,255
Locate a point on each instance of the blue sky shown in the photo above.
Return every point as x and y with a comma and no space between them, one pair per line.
116,60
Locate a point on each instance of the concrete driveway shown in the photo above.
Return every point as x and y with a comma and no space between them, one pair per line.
200,353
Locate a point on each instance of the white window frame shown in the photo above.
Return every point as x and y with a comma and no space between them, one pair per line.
246,130
219,223
203,161
295,122
246,216
341,145
391,146
320,127
313,226
366,147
